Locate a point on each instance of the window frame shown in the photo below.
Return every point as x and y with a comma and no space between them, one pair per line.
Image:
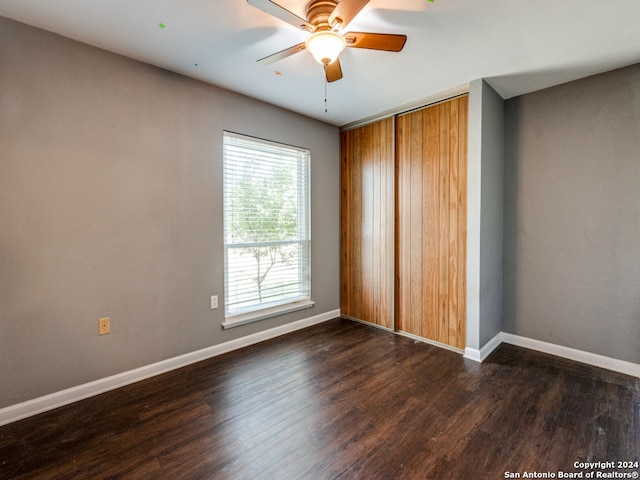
290,304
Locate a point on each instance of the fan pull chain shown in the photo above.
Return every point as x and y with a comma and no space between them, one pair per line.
325,95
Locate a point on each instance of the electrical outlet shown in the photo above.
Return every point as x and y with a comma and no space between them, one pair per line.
104,326
214,302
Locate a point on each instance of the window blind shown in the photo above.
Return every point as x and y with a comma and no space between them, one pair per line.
267,232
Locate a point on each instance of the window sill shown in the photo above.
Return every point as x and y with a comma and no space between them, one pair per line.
243,319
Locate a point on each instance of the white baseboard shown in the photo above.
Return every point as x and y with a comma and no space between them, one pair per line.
80,392
581,356
480,355
621,366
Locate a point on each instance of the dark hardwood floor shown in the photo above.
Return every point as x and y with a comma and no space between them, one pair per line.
339,400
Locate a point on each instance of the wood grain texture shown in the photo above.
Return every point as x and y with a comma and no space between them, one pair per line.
463,122
367,222
431,222
339,400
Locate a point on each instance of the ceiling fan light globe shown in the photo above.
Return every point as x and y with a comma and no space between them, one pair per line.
325,46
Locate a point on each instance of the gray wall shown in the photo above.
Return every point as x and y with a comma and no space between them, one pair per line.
491,261
111,205
572,215
484,214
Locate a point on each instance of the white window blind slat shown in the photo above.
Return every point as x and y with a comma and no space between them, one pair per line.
267,238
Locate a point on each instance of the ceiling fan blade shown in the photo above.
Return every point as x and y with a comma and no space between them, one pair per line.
376,41
333,71
282,13
344,12
287,52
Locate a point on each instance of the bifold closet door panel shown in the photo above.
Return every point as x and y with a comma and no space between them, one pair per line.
367,223
431,222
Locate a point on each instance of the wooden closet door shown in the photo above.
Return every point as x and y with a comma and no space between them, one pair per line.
367,223
431,222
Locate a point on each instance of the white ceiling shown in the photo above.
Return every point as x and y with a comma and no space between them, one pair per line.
518,46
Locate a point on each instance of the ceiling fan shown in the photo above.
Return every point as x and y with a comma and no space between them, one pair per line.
324,19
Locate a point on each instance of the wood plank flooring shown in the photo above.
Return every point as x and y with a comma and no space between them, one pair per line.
340,400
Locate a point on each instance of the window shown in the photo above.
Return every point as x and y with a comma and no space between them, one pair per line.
267,231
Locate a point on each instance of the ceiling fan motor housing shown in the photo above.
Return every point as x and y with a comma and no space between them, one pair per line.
318,13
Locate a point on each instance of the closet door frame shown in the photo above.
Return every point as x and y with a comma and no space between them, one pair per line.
376,223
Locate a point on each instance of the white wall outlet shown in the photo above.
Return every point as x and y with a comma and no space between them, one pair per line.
214,302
